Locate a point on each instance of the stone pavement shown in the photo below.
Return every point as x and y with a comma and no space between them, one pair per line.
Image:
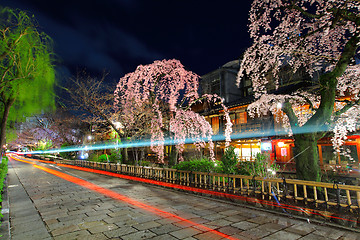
44,206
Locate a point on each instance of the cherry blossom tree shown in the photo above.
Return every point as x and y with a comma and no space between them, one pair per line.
54,129
136,131
169,90
321,38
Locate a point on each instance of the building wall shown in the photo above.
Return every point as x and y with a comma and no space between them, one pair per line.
223,83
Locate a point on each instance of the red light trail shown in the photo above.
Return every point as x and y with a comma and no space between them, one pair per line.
209,192
120,197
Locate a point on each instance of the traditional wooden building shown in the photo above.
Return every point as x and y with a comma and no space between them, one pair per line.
263,134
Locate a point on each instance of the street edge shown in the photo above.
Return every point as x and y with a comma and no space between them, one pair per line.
5,210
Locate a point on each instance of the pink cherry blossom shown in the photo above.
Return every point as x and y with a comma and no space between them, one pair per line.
171,90
319,38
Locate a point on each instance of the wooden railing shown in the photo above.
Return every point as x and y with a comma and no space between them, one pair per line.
316,195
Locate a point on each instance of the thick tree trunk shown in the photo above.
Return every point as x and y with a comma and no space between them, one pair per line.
124,151
142,155
173,156
125,156
136,156
7,106
307,157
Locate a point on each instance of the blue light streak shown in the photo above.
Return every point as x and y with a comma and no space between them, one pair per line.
168,141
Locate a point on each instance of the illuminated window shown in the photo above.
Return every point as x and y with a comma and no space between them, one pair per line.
241,118
246,152
232,118
255,150
215,124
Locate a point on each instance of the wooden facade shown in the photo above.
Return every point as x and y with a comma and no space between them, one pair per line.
264,134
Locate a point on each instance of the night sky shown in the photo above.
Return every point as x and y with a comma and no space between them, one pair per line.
118,35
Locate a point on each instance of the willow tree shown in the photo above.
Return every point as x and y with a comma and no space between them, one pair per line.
26,70
320,37
161,95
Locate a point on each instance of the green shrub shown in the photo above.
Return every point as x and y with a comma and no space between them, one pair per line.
197,165
229,161
103,158
92,157
3,172
243,168
115,156
145,163
260,167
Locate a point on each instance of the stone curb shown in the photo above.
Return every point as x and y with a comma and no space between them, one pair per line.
5,210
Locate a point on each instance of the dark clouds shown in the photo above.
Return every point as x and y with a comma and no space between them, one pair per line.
118,35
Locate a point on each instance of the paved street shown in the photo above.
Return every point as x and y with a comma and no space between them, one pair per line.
46,206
